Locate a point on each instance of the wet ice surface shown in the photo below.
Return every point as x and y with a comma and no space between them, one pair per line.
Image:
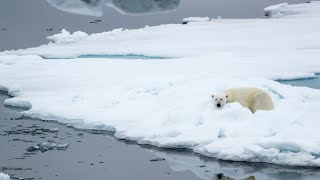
62,152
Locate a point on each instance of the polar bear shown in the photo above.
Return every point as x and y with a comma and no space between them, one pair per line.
249,97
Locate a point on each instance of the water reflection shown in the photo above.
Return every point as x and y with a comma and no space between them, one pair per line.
131,7
84,7
212,169
137,7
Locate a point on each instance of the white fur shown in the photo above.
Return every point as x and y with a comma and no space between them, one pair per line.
249,97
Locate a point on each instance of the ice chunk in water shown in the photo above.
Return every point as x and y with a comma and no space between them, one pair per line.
50,145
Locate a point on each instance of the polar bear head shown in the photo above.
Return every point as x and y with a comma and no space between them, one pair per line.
219,100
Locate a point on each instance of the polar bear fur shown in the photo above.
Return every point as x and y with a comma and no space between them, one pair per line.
249,97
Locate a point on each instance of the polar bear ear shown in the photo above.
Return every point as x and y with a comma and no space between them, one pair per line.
226,96
212,96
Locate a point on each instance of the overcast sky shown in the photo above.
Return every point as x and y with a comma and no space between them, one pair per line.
25,21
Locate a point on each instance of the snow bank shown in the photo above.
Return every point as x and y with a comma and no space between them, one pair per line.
167,103
66,37
4,176
195,19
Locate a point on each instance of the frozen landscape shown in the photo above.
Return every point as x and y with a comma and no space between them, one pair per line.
161,94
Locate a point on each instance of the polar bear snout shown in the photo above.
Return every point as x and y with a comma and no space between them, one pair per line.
219,100
219,103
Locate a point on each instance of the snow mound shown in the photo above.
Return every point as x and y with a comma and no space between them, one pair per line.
4,176
66,37
195,19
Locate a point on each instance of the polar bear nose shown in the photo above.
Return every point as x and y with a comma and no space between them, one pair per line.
218,105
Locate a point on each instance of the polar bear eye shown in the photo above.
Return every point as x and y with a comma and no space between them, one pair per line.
221,99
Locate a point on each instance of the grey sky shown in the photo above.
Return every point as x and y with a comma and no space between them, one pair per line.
26,21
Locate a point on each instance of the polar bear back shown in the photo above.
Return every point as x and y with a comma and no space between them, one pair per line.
251,98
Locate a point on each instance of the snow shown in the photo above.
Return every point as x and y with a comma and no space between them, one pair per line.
167,102
195,19
4,176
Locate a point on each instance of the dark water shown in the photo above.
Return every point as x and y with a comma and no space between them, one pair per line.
26,23
310,82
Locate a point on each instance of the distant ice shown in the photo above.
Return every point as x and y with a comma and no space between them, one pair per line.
131,7
195,19
66,37
276,10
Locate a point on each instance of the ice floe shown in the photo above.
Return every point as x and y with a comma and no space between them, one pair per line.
167,102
